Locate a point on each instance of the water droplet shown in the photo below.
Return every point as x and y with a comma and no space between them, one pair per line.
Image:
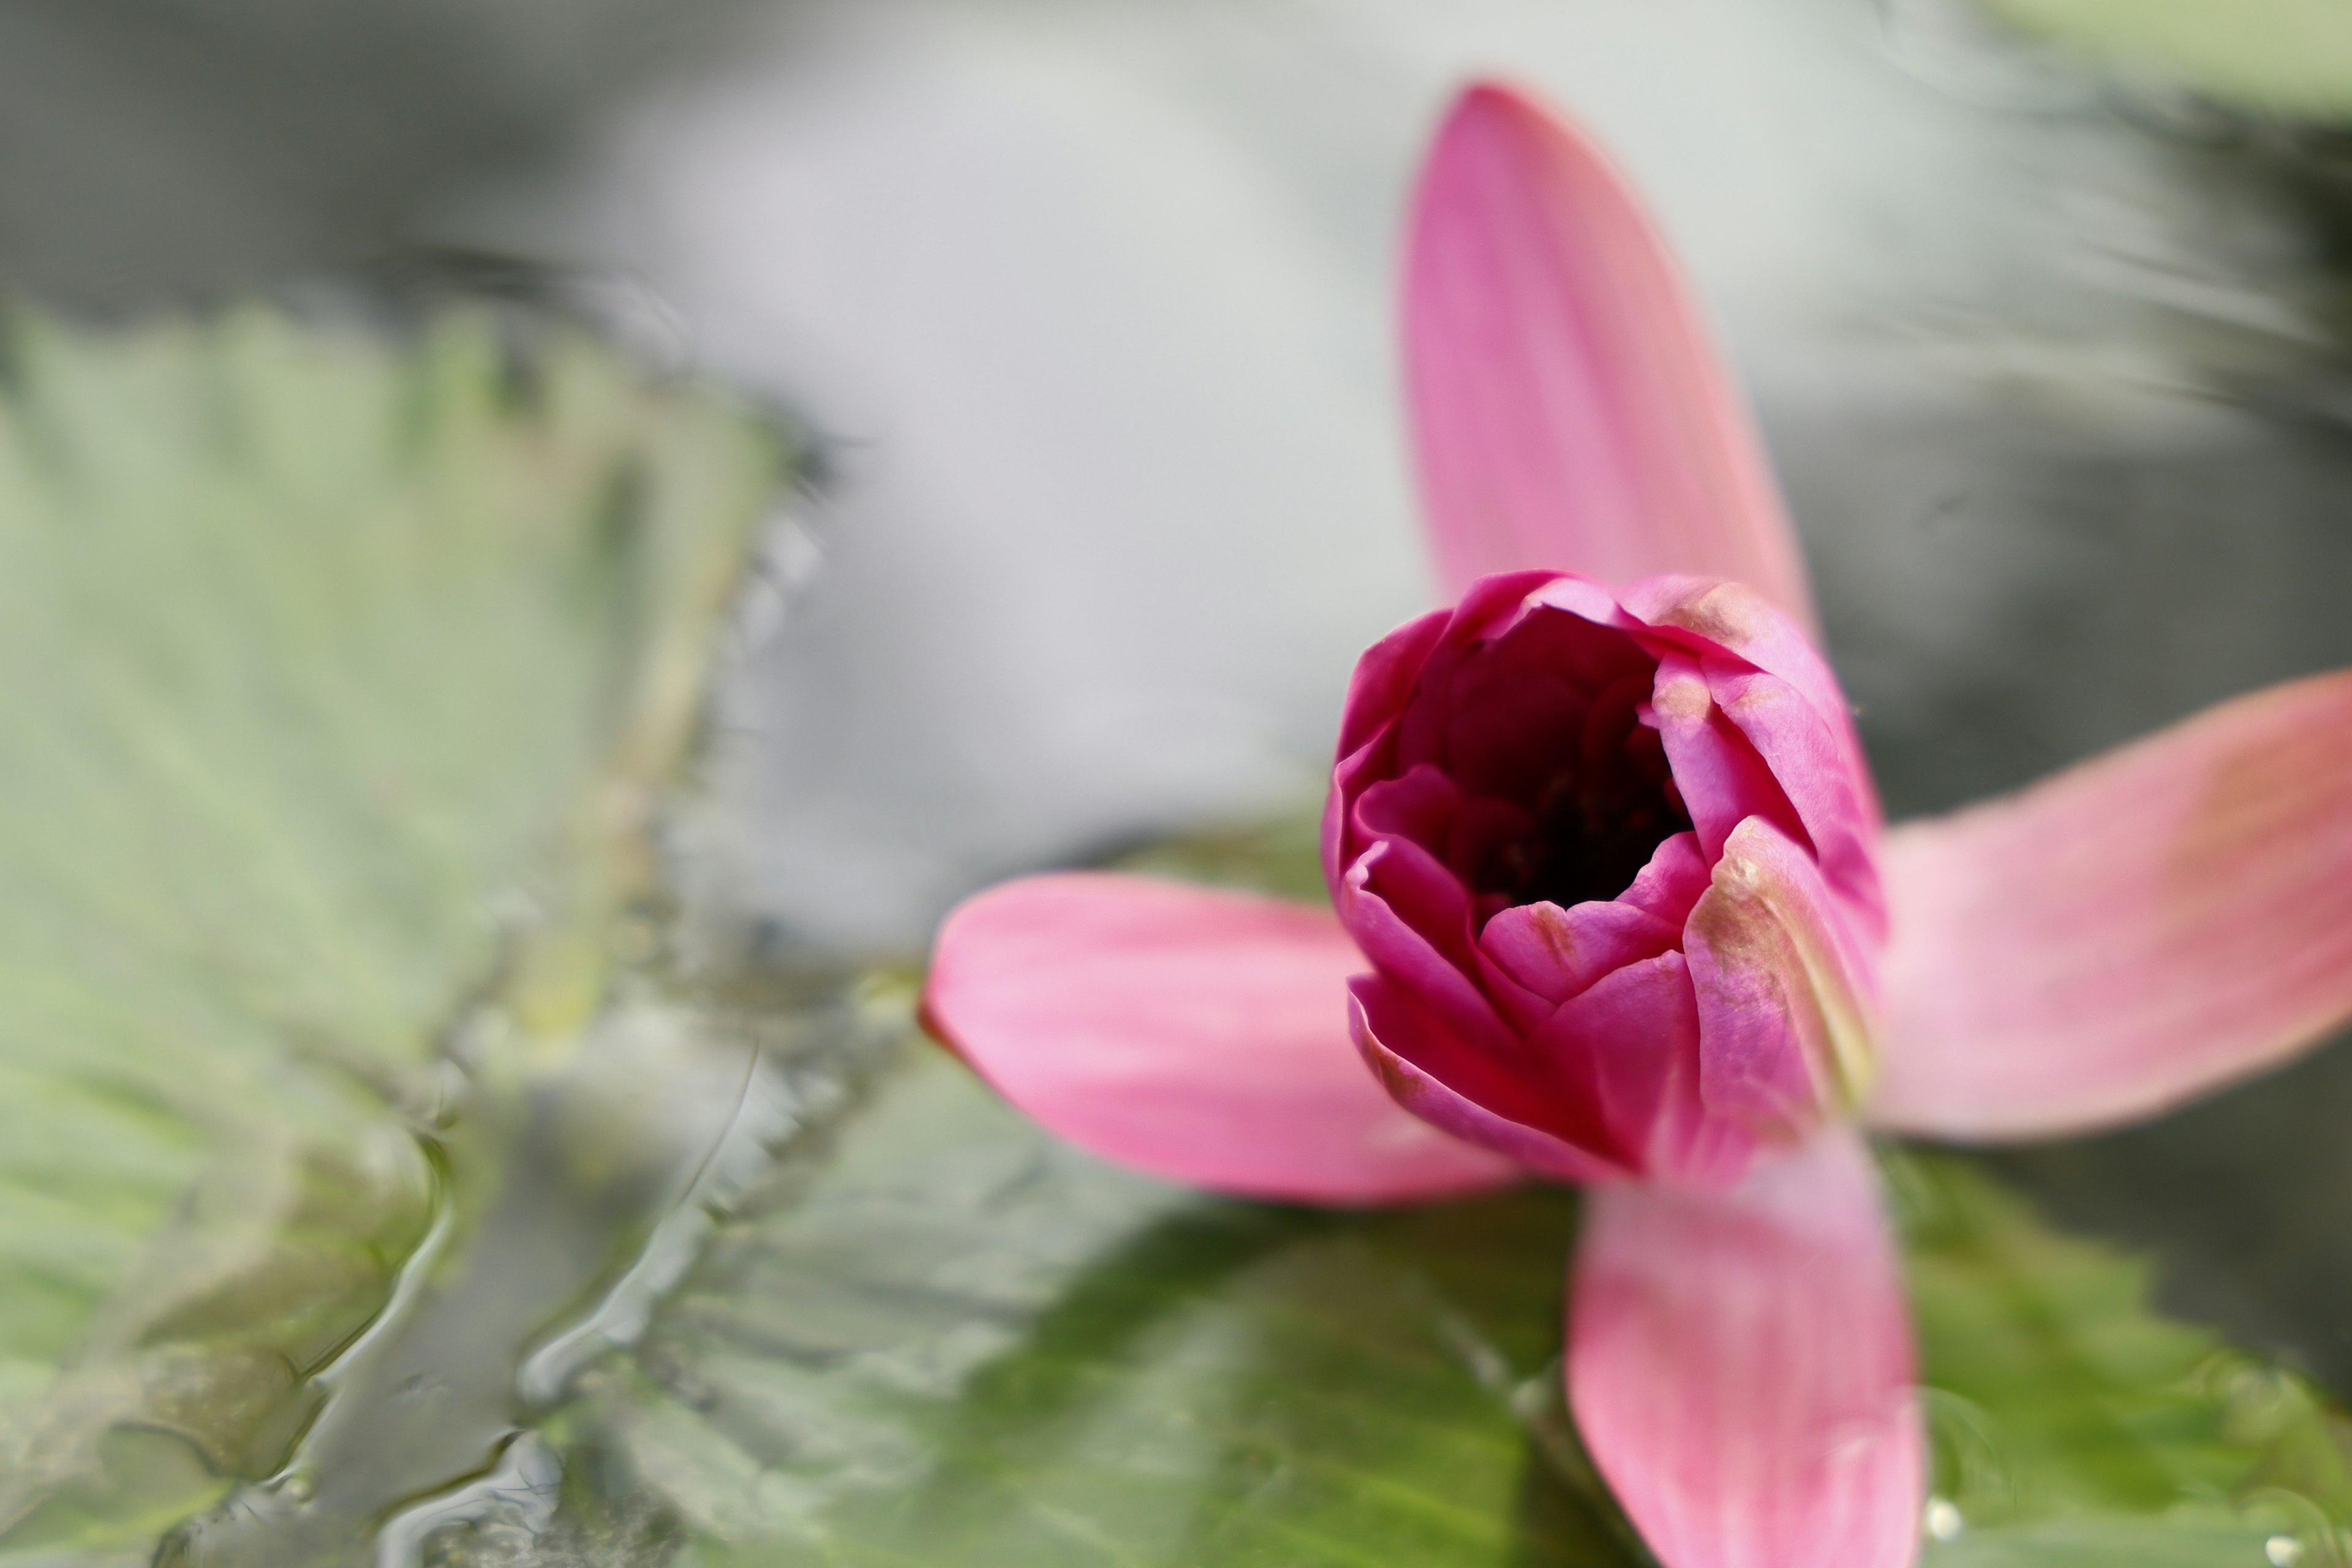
2283,1550
1943,1521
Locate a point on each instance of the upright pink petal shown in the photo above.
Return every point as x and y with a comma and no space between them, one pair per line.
1740,1365
1195,1034
1568,408
2127,934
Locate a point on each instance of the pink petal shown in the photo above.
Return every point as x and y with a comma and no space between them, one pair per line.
1722,780
1672,881
2130,933
1704,616
1384,678
1777,693
1784,1025
1422,806
1558,953
1411,919
1740,1365
1195,1034
1819,766
1639,1030
1383,683
1470,1093
1568,408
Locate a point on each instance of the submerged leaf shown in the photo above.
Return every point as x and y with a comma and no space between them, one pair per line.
338,681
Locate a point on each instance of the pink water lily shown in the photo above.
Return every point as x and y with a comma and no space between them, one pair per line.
1613,904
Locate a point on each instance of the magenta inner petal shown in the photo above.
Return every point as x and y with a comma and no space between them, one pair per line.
1670,885
1816,765
1639,1026
1428,961
1421,806
1473,1094
1384,676
1558,953
1565,790
1718,774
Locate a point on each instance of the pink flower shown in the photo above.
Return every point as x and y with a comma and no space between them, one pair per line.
1612,858
1603,838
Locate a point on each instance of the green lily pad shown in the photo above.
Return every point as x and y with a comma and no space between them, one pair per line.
2289,57
336,679
946,1339
964,1343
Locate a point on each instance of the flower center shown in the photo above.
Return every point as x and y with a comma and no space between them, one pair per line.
1594,828
1523,767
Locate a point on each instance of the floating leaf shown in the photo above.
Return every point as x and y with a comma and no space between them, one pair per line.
965,1343
948,1340
338,681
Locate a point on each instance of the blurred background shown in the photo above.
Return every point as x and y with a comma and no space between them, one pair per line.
1089,302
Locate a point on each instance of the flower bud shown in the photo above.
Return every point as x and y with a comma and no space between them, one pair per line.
1612,857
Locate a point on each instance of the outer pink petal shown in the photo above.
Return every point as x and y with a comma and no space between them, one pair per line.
1195,1034
1568,408
1740,1365
2129,933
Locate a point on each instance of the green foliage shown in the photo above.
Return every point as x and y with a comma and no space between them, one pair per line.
948,1340
962,1343
2075,1425
2285,57
334,681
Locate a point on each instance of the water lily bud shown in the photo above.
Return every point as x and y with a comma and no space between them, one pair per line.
1613,856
